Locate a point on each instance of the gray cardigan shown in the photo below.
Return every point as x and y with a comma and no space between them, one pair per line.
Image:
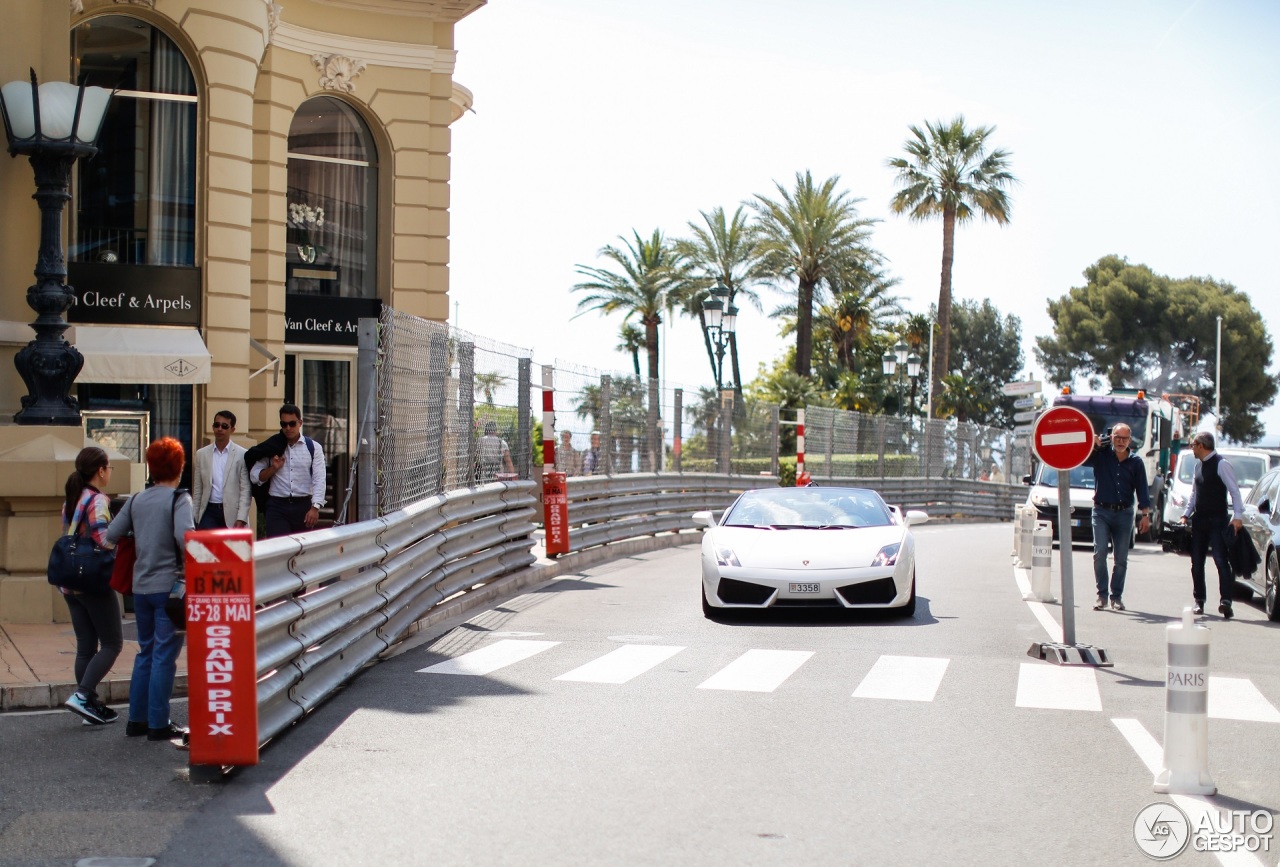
158,541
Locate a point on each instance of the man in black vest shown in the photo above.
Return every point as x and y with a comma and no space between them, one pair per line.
1215,480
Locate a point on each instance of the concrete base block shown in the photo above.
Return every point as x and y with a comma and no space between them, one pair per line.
31,599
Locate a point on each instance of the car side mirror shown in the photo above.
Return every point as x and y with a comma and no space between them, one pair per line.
915,516
1026,480
704,519
1264,508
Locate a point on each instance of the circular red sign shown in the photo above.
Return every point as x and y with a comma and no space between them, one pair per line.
1063,437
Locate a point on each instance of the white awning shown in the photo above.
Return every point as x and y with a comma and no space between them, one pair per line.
151,355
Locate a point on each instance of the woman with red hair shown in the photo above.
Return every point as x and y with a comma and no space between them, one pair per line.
159,518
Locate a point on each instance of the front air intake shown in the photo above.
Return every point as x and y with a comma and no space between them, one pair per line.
881,591
733,592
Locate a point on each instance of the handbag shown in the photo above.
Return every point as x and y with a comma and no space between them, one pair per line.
126,557
176,605
122,571
79,564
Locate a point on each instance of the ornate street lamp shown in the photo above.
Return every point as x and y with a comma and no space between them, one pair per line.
722,322
902,363
54,124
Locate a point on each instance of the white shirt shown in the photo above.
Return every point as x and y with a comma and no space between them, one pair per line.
217,473
302,474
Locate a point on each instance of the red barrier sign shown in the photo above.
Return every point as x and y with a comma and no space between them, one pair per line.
1063,437
222,653
555,513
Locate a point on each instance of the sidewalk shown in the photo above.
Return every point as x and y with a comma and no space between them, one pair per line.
37,666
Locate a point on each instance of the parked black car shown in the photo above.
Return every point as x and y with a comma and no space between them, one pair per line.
1262,522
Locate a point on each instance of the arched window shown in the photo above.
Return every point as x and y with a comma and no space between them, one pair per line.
136,200
332,202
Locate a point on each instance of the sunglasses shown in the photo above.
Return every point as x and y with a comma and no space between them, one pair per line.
221,425
290,423
1121,439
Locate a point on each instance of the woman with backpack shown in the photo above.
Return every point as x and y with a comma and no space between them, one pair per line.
95,617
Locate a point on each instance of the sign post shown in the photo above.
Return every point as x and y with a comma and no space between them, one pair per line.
1063,438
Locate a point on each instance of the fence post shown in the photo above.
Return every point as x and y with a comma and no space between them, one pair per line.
606,422
677,430
831,445
654,439
880,427
467,449
775,430
524,424
367,439
726,431
437,376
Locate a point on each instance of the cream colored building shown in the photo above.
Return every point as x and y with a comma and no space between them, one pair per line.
268,173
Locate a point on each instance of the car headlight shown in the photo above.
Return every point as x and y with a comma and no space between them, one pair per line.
726,557
888,555
1039,501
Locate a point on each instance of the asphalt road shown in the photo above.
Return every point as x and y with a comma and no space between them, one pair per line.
878,740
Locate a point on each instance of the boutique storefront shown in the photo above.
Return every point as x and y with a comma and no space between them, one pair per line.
267,174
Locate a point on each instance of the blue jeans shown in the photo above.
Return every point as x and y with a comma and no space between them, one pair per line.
153,668
1114,529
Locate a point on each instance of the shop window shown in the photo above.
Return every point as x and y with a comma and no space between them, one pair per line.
135,201
332,202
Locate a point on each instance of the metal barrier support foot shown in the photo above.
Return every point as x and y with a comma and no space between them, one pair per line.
1070,654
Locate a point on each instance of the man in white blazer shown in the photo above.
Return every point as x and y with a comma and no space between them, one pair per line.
221,480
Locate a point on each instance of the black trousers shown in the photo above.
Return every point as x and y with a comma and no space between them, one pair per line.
212,519
95,617
1211,534
285,515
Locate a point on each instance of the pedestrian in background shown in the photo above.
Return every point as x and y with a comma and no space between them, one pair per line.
1206,511
591,461
493,454
291,464
95,617
1118,474
220,486
159,517
568,459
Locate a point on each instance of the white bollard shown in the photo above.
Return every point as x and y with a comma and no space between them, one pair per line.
1042,562
1186,711
1024,538
1017,530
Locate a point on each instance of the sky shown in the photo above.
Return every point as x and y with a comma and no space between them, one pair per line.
1139,128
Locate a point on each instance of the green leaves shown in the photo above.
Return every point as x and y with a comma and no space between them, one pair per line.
1130,327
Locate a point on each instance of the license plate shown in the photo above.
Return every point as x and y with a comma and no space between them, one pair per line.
1076,522
804,588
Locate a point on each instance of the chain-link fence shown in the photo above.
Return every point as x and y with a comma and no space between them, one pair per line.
455,410
452,410
843,444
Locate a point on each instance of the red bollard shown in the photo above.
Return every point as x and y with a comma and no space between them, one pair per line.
222,650
555,513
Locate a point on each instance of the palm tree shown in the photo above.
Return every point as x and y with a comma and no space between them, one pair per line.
631,341
486,383
948,172
650,269
810,234
855,313
652,274
726,250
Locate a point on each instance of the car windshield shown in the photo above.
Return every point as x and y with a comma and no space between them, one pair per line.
1081,477
1187,467
1249,468
806,508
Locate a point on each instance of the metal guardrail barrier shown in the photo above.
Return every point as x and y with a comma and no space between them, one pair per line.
332,600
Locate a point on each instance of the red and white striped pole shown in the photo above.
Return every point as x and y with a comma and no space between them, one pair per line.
802,478
548,419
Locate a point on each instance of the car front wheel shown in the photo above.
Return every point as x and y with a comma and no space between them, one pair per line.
1272,578
909,610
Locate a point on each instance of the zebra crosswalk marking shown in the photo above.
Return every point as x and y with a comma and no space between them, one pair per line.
757,671
622,664
903,678
1238,698
489,659
1057,688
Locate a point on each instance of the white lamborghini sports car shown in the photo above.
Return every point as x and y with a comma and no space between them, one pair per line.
809,548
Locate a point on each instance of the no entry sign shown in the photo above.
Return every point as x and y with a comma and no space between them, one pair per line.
1063,437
